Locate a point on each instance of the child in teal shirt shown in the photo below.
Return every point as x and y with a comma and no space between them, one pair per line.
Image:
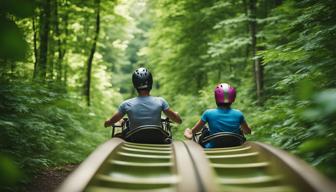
223,118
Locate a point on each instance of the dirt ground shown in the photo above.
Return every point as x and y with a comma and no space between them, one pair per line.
49,179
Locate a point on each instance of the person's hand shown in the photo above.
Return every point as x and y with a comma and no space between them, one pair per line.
119,123
246,132
107,123
245,128
188,133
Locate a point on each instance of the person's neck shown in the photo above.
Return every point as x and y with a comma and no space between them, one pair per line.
224,107
142,93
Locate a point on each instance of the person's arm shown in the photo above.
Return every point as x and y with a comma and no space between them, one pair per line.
173,115
115,118
189,132
246,129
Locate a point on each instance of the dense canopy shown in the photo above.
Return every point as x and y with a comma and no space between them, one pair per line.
66,65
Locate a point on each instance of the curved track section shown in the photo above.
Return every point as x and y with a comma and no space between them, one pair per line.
244,168
257,167
185,166
79,179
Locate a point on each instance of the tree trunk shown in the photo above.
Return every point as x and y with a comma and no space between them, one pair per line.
51,55
247,48
60,43
256,62
58,39
53,41
44,39
35,47
278,2
65,69
92,52
64,66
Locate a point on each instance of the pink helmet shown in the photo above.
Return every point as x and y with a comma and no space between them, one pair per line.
224,93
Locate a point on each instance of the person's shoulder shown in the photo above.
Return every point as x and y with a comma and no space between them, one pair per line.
210,110
159,98
237,111
131,100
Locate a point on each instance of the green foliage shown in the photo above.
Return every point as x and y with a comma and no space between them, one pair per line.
190,46
9,172
14,46
298,67
43,127
178,42
307,128
196,44
46,123
319,116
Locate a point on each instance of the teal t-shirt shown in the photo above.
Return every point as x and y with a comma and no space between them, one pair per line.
223,120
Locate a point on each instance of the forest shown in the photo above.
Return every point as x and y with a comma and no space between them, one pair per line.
66,65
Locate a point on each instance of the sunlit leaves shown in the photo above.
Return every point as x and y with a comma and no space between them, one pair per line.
233,22
228,45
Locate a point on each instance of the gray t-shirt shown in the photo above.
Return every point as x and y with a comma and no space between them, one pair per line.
144,110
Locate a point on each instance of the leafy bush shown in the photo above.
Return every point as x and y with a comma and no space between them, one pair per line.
42,126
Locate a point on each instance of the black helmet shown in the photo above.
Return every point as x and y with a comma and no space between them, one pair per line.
142,79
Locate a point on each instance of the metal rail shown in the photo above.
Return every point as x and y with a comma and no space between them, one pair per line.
185,166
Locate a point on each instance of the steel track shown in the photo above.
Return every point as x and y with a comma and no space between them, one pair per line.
184,166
